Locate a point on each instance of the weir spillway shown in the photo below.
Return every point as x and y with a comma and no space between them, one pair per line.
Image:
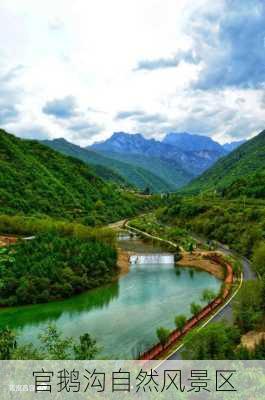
152,258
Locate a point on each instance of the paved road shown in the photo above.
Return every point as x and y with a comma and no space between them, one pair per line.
225,313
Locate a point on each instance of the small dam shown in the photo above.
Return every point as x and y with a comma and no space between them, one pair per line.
152,258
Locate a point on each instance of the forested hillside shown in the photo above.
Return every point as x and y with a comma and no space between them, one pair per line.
186,155
169,170
54,267
37,180
239,173
239,223
134,175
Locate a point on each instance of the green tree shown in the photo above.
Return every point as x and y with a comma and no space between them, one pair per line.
190,247
195,308
8,343
27,352
162,334
54,345
216,341
208,295
86,349
180,321
248,305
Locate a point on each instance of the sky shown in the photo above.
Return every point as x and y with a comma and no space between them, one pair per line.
85,69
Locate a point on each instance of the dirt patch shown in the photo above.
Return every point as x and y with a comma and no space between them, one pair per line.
199,260
251,339
117,224
7,240
123,261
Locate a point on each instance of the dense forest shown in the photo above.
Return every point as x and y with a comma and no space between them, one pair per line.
240,223
35,180
52,267
243,169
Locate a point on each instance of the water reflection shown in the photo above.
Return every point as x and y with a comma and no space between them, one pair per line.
191,273
17,317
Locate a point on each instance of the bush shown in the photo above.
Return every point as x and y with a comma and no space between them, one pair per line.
208,295
180,321
195,308
162,334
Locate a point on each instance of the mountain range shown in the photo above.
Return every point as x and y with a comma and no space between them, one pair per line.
162,166
191,153
177,159
233,145
35,179
115,170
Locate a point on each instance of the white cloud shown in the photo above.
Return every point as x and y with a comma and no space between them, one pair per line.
88,51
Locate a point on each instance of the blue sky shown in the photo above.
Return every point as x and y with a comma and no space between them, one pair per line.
84,69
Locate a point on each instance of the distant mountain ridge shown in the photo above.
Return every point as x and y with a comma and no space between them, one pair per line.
192,154
115,170
190,142
233,145
162,166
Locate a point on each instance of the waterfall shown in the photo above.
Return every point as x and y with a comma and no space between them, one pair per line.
152,258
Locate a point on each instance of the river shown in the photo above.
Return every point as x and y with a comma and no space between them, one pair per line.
124,315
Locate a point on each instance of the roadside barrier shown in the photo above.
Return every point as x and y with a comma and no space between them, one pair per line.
157,350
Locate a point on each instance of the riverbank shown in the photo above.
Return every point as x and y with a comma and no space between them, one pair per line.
159,351
123,262
69,265
203,261
197,259
103,312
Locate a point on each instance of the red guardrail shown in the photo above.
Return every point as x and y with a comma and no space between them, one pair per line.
176,335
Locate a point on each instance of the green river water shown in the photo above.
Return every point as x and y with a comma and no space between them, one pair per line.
123,316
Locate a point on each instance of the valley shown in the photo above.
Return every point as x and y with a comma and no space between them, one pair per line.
178,158
67,276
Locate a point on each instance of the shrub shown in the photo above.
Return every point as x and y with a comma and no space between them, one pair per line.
162,334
